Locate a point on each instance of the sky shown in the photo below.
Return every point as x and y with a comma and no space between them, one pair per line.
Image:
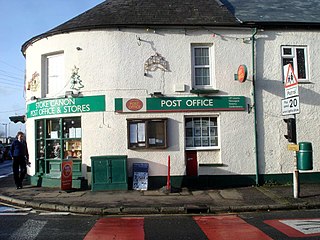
20,20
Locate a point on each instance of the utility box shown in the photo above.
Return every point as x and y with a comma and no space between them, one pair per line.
109,173
305,161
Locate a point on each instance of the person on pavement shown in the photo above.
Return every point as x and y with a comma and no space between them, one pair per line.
20,156
1,152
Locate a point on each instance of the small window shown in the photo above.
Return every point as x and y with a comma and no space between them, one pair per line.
297,57
147,133
202,66
201,133
54,74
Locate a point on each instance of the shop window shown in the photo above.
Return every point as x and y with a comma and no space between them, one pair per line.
297,57
201,133
58,139
202,69
147,133
54,74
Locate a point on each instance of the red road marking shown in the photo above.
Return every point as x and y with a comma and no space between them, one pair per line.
117,229
287,230
229,227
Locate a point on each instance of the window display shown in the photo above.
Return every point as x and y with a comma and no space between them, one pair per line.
58,139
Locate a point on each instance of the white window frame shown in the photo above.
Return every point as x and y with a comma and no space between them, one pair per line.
210,66
217,147
53,88
293,56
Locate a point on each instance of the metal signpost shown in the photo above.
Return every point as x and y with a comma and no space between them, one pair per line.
291,106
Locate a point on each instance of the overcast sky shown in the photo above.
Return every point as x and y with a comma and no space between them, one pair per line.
21,20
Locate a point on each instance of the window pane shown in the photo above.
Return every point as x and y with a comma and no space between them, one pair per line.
71,128
301,63
202,76
72,149
201,56
156,134
53,128
40,149
287,51
53,149
286,61
55,73
40,129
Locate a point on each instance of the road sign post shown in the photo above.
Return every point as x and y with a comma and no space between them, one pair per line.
290,105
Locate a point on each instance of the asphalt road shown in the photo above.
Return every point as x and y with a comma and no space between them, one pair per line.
27,224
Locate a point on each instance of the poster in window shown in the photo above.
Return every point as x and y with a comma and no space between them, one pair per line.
197,131
197,142
205,142
189,142
213,131
205,131
141,132
133,133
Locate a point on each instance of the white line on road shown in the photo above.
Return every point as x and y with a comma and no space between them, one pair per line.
29,230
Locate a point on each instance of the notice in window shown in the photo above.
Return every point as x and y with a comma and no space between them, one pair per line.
133,133
141,132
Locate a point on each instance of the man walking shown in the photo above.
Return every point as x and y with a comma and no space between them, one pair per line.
20,156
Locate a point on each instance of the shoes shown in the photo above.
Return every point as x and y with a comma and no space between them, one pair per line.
19,187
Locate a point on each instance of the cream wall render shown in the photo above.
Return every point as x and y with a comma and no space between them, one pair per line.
274,156
111,63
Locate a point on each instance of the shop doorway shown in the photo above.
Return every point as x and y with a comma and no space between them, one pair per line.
192,163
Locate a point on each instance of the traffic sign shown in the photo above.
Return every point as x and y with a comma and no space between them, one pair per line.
290,79
290,105
291,91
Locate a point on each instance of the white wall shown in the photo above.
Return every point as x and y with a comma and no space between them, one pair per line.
274,157
111,62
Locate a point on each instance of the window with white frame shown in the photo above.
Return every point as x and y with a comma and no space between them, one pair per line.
297,57
202,66
54,74
201,133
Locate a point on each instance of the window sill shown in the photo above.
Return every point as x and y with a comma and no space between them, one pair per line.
203,148
203,91
211,165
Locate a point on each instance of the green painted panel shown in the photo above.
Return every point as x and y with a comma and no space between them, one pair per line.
66,106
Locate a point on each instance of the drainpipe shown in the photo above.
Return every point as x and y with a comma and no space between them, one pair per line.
254,32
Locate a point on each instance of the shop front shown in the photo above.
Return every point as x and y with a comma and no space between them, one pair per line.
58,136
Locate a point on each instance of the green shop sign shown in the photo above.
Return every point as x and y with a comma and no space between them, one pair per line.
66,106
176,104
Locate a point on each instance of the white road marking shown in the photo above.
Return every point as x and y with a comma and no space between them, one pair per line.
306,226
29,230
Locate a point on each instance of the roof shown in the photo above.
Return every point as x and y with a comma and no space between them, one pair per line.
142,13
274,12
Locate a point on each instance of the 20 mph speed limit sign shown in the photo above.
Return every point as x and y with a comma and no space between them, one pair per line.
290,105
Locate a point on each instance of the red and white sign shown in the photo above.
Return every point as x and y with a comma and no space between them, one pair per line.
66,175
290,79
291,83
134,105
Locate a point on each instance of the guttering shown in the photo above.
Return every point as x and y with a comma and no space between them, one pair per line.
254,32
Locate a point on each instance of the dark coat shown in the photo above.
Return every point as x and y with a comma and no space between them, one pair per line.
19,149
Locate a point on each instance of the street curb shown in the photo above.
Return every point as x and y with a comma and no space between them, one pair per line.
155,210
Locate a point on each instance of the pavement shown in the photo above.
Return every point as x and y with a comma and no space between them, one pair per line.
161,201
